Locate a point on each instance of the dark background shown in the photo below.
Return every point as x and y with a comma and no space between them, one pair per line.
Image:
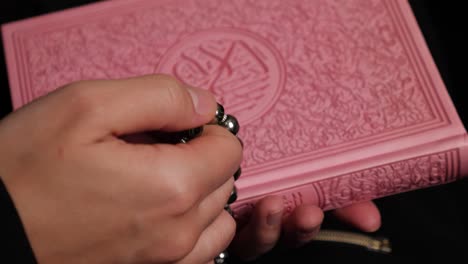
423,225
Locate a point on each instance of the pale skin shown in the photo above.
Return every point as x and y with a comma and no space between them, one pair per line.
85,195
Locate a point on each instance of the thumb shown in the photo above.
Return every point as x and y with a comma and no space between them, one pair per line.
151,102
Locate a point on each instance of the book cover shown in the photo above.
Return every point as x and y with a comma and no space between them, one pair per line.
338,101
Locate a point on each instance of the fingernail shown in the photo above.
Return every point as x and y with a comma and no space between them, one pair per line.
274,219
202,101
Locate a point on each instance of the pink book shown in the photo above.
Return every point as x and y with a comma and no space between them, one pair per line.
339,102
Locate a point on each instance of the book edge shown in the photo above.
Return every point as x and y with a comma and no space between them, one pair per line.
11,64
310,193
269,183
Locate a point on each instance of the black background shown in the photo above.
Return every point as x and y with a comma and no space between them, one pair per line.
423,225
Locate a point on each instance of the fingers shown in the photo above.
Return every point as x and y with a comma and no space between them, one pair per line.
152,102
298,228
263,230
364,216
213,240
267,223
209,209
197,168
302,225
214,158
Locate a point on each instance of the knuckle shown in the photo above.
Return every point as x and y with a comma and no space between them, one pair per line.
176,184
172,91
81,99
182,198
172,88
182,243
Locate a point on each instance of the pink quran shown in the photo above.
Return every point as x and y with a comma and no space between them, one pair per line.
338,101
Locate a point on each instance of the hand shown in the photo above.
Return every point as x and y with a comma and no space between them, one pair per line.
267,226
85,195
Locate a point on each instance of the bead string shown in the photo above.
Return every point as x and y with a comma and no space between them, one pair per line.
232,125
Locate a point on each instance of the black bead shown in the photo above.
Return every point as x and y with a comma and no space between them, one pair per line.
194,132
187,135
221,258
233,196
219,115
237,174
231,124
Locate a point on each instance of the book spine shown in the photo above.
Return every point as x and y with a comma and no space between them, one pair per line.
370,183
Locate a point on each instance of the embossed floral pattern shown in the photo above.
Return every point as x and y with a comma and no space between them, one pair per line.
368,184
348,74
